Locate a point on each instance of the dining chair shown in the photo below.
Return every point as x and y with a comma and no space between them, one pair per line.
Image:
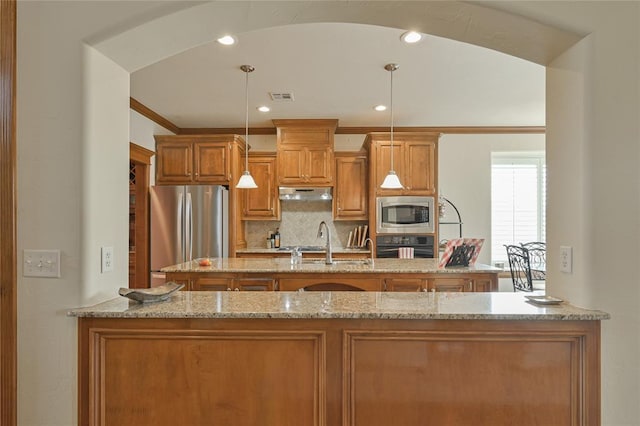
520,268
537,251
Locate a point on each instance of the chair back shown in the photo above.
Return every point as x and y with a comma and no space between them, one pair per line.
537,259
520,268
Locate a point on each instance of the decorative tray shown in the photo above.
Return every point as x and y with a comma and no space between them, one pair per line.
154,294
544,300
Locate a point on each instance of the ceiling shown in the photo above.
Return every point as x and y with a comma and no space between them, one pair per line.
337,70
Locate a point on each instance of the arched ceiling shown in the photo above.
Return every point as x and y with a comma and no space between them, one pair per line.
331,56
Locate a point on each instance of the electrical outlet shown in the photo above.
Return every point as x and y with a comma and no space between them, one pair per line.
41,263
107,259
566,259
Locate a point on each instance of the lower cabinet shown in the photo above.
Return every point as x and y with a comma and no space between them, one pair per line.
254,284
330,283
212,284
451,284
405,284
198,281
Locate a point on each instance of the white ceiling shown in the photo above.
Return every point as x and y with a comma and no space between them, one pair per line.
337,71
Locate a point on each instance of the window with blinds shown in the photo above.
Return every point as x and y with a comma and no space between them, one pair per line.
518,195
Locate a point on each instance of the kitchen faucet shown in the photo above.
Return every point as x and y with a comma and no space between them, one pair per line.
328,259
370,241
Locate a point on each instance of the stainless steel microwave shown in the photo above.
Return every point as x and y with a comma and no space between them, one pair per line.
405,215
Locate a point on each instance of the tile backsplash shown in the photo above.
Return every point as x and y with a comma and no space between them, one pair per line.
299,225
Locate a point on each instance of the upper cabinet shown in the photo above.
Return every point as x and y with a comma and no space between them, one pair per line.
262,203
350,194
415,161
194,159
305,152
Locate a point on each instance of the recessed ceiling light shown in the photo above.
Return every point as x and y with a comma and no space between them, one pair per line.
263,108
411,37
380,108
227,40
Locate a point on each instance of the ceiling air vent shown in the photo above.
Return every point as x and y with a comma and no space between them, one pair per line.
281,97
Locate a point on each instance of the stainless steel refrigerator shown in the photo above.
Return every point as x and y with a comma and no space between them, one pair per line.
187,222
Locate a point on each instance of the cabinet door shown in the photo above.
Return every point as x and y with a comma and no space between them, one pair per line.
262,203
174,162
404,284
350,198
383,165
180,278
419,164
254,284
483,285
211,162
212,284
291,160
451,284
318,167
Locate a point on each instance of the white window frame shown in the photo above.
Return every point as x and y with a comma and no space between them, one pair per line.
537,159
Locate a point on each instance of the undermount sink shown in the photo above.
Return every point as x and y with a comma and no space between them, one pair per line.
302,248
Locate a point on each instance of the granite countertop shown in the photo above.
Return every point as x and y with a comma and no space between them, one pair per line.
280,265
349,305
287,250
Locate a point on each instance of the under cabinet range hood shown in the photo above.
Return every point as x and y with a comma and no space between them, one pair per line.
305,194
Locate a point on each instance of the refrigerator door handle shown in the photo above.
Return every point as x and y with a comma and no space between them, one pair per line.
189,228
180,225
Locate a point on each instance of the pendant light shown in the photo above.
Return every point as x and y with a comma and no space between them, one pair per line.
246,180
391,181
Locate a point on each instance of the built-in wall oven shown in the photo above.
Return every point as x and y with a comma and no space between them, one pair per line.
387,245
405,215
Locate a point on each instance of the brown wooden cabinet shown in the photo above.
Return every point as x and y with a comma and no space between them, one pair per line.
330,282
405,284
231,283
451,284
255,284
305,152
351,190
287,281
262,203
415,159
194,159
139,252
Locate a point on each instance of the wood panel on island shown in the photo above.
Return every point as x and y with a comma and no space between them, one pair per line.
398,282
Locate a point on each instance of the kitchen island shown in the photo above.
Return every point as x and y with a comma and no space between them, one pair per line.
343,274
338,358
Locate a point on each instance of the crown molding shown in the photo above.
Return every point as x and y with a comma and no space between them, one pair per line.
469,130
153,116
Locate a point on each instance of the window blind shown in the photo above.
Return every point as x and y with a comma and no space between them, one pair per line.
517,201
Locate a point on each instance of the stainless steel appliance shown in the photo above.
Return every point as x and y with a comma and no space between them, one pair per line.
405,215
387,245
187,222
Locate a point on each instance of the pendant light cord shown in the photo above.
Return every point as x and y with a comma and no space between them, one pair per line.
246,122
391,107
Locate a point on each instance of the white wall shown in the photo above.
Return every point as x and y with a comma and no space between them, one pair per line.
464,168
141,132
54,129
594,151
72,141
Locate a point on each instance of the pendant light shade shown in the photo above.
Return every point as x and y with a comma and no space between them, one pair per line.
391,181
246,180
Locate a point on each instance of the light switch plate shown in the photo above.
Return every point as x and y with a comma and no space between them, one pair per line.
566,259
41,263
